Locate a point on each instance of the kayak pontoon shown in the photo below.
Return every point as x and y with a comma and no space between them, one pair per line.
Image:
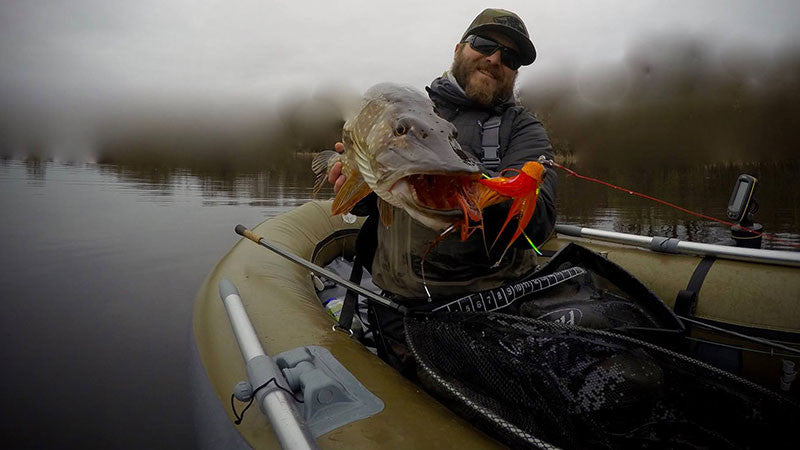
710,285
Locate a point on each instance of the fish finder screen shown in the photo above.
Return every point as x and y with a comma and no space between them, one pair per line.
741,192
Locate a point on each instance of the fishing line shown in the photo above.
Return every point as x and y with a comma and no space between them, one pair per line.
531,242
425,256
666,203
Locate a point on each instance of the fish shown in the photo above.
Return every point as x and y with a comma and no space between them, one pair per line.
397,146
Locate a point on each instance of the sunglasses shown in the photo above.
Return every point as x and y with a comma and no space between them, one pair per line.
509,57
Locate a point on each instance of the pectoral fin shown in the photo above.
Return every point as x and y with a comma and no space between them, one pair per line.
319,165
353,190
386,211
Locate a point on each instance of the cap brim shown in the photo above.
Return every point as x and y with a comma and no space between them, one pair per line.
526,48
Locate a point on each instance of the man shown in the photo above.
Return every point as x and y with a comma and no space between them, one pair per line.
474,95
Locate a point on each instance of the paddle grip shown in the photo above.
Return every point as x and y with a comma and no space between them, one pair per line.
243,231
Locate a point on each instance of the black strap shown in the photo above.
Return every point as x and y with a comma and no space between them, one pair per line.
490,141
366,243
351,298
686,301
367,240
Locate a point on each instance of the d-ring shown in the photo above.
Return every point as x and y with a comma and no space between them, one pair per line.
336,327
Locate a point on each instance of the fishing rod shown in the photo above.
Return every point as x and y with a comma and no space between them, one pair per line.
245,232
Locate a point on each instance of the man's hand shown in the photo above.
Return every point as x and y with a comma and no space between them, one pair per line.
335,176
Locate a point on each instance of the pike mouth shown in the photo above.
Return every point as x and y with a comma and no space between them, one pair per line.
446,195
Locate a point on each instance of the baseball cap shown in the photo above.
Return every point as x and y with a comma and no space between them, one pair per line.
507,23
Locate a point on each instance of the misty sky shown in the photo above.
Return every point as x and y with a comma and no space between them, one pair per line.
65,57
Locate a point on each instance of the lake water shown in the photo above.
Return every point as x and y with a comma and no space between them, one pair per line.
100,265
98,273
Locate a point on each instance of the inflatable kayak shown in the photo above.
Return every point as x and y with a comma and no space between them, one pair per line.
752,296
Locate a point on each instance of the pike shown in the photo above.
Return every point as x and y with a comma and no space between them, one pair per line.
399,148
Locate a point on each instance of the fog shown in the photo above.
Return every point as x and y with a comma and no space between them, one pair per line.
676,102
244,84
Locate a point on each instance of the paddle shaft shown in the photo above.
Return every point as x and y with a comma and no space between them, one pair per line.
244,232
673,245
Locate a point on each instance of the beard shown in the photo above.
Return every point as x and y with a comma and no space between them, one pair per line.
482,90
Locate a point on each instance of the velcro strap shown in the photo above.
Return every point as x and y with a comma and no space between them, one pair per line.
351,298
686,301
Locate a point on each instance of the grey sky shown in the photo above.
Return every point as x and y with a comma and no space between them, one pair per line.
66,55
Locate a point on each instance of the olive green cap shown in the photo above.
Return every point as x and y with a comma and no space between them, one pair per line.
507,23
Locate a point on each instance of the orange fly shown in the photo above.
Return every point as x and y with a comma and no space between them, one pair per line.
523,188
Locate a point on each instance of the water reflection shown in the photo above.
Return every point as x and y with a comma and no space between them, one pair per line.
36,169
705,190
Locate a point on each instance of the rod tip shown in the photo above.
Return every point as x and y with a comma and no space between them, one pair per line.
240,229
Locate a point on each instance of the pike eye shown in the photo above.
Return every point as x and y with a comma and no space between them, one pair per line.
400,130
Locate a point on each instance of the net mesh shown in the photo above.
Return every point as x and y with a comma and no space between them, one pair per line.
547,384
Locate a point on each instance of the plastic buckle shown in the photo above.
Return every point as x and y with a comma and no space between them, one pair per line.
491,163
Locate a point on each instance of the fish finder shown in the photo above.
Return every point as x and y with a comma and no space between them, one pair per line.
741,208
742,204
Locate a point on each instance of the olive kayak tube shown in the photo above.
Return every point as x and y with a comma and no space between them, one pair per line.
752,296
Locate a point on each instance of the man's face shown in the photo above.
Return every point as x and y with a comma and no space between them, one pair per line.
485,79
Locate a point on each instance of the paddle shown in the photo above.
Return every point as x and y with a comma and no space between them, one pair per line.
244,232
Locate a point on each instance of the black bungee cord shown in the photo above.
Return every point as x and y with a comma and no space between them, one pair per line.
239,418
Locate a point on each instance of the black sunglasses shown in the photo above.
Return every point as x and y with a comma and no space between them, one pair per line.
508,56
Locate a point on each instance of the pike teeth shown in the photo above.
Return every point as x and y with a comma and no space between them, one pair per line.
413,191
400,185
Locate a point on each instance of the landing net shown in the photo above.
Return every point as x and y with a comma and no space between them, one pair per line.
549,384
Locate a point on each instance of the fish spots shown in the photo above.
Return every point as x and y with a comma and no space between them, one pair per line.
394,136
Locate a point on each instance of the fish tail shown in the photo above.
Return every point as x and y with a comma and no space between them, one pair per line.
319,165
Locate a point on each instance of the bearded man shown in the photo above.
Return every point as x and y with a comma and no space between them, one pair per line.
477,96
